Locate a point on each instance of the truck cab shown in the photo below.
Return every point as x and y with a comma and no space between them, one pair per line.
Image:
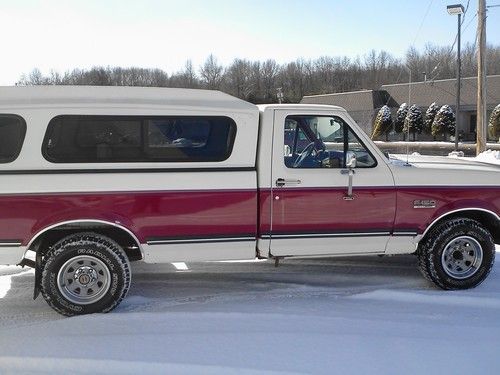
322,204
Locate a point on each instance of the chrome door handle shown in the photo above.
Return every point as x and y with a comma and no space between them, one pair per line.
280,182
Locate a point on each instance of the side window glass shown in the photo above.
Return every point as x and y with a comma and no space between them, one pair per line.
302,141
12,132
322,142
363,158
178,133
115,139
290,129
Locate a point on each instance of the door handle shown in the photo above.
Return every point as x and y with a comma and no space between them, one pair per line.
280,182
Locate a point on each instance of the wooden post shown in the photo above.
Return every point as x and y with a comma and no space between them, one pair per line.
481,79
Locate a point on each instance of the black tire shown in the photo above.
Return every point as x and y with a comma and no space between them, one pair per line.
441,259
85,257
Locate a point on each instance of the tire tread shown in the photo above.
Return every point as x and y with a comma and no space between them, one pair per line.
81,239
426,251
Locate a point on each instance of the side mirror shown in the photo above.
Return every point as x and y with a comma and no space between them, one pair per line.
350,160
350,164
287,151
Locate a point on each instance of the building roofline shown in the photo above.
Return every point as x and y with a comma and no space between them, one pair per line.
435,81
340,93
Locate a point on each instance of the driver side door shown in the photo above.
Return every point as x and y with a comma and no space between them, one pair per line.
312,213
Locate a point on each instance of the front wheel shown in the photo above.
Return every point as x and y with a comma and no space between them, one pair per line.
85,273
457,254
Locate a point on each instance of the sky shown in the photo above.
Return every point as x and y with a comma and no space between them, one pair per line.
64,35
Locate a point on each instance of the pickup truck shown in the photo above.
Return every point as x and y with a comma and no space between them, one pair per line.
92,178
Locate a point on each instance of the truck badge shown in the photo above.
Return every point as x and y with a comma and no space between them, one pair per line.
424,203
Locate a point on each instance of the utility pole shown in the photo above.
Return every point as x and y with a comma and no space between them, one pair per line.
481,79
459,68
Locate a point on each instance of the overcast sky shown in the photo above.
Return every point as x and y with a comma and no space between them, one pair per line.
63,35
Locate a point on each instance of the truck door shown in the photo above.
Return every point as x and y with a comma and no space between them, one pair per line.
314,211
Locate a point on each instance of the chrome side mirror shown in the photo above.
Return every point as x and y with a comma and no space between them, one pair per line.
350,160
350,164
287,150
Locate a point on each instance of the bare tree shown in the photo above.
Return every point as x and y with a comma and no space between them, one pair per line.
189,75
211,73
269,72
35,77
237,79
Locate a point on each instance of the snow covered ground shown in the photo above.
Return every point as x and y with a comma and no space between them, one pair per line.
365,315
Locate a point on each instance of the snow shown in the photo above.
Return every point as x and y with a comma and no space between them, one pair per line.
385,112
414,120
489,156
402,111
365,315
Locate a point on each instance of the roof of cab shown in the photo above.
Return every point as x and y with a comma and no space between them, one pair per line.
53,96
299,106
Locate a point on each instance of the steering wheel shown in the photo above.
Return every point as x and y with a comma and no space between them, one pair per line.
306,152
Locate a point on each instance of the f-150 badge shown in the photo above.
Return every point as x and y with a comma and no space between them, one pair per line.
424,203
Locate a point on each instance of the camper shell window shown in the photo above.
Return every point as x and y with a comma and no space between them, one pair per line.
12,132
108,139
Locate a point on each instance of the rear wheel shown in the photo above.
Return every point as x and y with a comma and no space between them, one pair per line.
85,273
457,254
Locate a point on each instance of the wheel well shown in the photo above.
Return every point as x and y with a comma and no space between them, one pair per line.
121,236
487,219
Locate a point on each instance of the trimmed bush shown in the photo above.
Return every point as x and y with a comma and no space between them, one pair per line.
383,123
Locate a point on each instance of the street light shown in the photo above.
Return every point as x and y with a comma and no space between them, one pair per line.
457,9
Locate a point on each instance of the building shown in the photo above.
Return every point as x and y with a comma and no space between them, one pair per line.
363,105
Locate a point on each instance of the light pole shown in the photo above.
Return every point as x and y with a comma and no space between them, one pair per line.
457,9
409,106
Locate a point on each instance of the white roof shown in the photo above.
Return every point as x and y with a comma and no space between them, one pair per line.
299,106
53,96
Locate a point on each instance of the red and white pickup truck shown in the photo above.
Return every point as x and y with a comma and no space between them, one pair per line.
92,178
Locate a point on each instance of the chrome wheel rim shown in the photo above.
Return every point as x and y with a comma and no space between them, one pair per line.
462,257
83,280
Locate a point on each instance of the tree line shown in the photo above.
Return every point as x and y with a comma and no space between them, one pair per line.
258,81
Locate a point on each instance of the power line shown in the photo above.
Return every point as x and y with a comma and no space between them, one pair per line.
422,22
414,40
433,84
454,41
